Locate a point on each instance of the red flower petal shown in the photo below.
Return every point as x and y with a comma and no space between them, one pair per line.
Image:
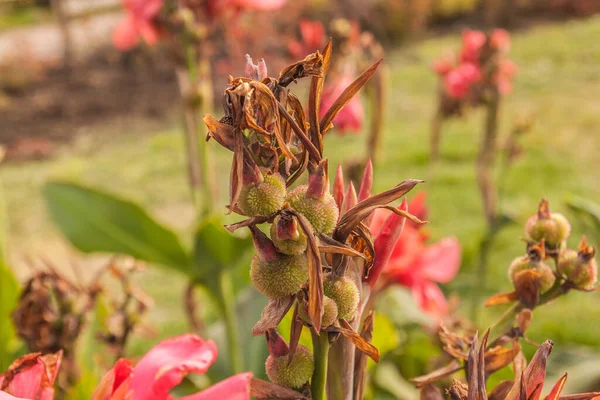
440,262
163,367
264,5
126,35
235,388
430,298
366,183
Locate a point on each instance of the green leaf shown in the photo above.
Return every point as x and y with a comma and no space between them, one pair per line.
385,336
586,208
216,248
99,222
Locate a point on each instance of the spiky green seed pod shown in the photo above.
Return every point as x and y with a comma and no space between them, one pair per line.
287,235
579,267
281,277
263,198
292,375
345,294
554,228
322,213
521,264
330,312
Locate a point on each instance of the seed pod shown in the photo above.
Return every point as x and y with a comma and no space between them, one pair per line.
281,277
554,228
287,236
579,267
294,374
330,312
263,197
345,294
545,276
322,213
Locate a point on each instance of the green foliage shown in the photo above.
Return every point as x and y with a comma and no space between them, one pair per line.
587,211
99,222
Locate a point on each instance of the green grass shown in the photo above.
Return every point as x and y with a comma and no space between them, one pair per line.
559,82
20,16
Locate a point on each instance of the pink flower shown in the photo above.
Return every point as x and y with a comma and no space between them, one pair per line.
500,40
473,42
414,264
351,117
458,82
31,377
444,64
264,5
164,367
312,36
138,23
504,76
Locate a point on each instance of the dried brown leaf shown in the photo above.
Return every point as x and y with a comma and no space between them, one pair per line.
272,314
223,133
314,100
360,358
499,357
237,170
501,390
312,65
360,343
300,134
346,96
430,392
267,390
295,332
530,382
501,298
329,245
447,370
458,390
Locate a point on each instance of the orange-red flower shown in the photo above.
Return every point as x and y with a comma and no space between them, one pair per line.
164,367
139,23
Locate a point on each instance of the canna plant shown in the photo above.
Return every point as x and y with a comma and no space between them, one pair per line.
313,259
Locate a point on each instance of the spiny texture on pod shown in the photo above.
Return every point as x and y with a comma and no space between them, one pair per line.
281,277
263,198
330,312
294,374
523,264
322,213
287,235
554,228
345,294
579,267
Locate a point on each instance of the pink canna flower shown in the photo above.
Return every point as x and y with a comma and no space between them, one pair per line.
444,64
414,264
164,367
504,76
473,42
458,82
264,5
139,23
350,119
312,36
500,40
31,377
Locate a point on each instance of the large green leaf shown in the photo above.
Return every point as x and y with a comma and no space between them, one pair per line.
216,248
587,209
99,222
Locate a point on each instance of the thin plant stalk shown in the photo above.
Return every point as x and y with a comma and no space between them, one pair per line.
226,299
321,355
436,133
377,95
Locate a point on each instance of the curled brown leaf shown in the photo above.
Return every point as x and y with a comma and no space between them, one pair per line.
272,314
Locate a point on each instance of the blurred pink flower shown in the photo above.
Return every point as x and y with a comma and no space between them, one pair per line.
444,64
264,5
164,367
312,36
473,42
500,40
138,23
31,377
458,82
350,119
504,76
412,263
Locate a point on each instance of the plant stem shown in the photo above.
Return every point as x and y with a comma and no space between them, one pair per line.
226,299
321,354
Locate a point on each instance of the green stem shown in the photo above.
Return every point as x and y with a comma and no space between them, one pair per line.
226,299
321,354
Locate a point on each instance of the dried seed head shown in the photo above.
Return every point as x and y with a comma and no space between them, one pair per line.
321,213
554,228
263,198
579,267
544,275
294,374
330,312
281,277
287,236
345,294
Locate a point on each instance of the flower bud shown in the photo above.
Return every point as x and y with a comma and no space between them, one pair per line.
554,228
322,213
330,312
579,267
262,197
287,235
280,277
532,262
294,374
345,294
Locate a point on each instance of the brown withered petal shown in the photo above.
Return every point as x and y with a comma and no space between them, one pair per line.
224,134
430,392
272,314
314,100
447,370
527,287
266,390
476,367
499,357
361,344
295,332
481,376
362,210
301,167
501,298
519,364
458,390
311,65
501,390
346,96
557,389
300,134
524,320
530,382
237,171
248,222
329,245
360,359
315,272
